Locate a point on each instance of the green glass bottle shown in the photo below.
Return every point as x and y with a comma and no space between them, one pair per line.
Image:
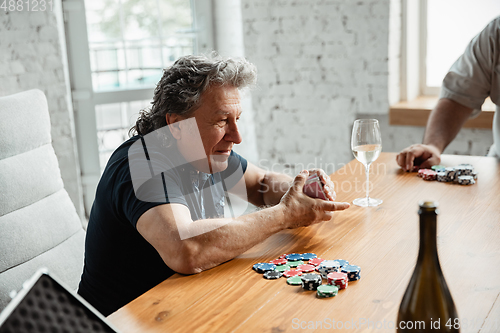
427,305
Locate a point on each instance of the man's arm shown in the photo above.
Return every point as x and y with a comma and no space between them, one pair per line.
159,226
443,125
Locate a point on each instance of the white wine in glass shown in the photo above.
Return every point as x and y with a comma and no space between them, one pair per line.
366,145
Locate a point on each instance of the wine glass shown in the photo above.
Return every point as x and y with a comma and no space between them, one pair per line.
366,145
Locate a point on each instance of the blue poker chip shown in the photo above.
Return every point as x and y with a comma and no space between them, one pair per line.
351,269
308,256
263,267
342,262
353,272
294,256
257,266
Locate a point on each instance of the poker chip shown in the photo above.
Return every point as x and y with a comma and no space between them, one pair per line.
272,275
325,291
441,176
283,256
464,170
338,279
308,256
264,267
428,174
279,261
466,180
295,263
282,268
311,281
421,172
294,281
294,257
342,262
315,261
291,273
306,268
352,271
437,167
450,173
328,266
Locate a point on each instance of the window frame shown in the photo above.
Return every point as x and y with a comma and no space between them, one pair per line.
85,99
414,51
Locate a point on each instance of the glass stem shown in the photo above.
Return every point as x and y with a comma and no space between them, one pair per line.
367,183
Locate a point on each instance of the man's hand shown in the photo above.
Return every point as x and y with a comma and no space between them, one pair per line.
302,210
419,155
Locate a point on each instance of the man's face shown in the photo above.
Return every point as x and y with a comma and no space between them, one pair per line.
216,119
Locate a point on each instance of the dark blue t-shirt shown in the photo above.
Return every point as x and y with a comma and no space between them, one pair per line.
120,264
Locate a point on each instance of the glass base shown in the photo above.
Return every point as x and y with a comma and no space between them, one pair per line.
371,202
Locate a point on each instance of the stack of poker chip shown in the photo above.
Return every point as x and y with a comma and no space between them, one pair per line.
466,180
327,290
427,174
328,266
446,174
311,281
338,279
464,169
352,271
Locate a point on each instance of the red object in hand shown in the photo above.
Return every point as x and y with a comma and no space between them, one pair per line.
314,188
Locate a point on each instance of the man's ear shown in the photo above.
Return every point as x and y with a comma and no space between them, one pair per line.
173,125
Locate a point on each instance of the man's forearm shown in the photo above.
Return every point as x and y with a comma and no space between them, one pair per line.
274,186
444,123
231,237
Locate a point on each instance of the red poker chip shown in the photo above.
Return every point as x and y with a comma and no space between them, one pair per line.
430,175
306,268
283,256
279,261
336,276
315,261
337,279
291,273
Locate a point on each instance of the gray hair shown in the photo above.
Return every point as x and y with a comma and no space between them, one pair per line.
179,90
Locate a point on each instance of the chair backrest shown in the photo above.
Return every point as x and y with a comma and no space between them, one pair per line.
39,226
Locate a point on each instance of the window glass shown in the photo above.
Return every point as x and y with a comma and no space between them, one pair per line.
451,24
113,122
130,41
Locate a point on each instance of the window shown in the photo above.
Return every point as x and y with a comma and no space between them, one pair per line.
130,41
451,24
434,34
116,52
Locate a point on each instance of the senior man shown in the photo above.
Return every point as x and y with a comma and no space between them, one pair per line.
161,204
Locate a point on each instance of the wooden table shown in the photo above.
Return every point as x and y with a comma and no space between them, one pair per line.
382,240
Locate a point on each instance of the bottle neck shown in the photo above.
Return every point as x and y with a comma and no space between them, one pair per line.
428,232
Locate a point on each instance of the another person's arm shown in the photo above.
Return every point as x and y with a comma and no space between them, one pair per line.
159,226
443,125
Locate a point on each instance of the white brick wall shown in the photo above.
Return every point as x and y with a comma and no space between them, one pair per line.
31,57
322,64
